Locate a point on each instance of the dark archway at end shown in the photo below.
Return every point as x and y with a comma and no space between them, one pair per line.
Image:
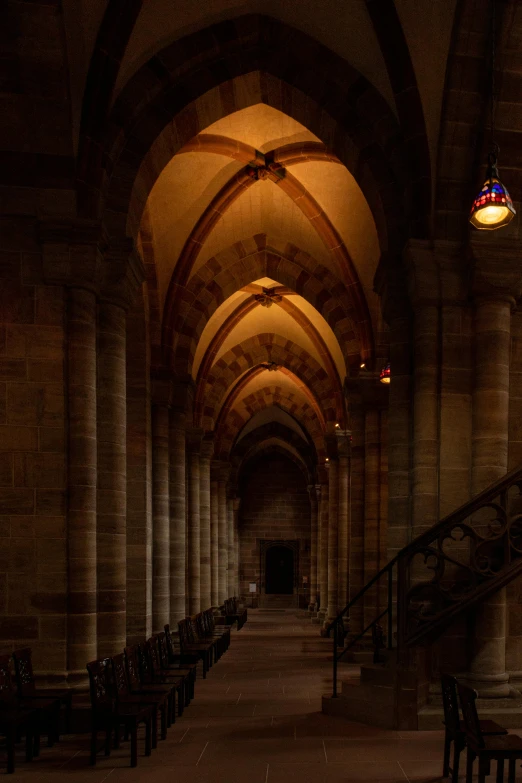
279,570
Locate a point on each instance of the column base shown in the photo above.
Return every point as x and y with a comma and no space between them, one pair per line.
490,686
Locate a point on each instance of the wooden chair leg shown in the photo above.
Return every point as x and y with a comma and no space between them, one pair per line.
511,771
164,708
134,746
500,770
94,742
155,727
469,766
482,771
458,747
446,757
10,742
108,737
148,733
29,743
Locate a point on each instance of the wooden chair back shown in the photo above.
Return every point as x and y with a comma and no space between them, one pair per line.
163,650
169,642
24,672
119,676
450,703
467,698
144,663
153,654
132,668
7,691
100,685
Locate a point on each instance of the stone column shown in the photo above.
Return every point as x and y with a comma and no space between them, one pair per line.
236,504
313,545
343,449
194,438
487,671
214,538
323,552
231,547
111,491
81,391
160,517
178,542
222,534
333,534
399,512
207,449
425,488
371,511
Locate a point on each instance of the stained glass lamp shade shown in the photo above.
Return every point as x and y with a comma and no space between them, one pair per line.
493,207
385,376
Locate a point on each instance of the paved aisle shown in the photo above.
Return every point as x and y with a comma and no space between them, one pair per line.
257,719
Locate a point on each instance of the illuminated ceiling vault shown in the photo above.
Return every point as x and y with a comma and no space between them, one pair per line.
264,251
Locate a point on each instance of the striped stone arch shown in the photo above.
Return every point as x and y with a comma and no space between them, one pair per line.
269,431
243,263
266,348
301,410
199,79
284,450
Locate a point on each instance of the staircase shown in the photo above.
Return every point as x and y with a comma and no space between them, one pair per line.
443,573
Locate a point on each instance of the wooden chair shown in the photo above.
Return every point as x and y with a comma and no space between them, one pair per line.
136,686
200,633
14,721
152,671
108,716
190,648
486,748
454,729
27,687
210,628
187,671
158,701
174,658
46,711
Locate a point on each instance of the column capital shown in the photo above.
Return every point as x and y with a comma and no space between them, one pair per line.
330,442
344,442
220,470
496,266
194,438
122,274
72,252
207,447
160,386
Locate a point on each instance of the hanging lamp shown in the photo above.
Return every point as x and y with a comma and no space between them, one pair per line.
385,375
493,207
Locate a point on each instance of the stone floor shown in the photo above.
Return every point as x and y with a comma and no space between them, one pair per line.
257,719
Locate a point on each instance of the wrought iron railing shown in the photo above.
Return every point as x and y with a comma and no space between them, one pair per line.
467,556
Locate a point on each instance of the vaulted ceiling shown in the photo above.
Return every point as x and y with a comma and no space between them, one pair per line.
269,157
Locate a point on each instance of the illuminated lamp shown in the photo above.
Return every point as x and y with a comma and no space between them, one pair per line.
493,207
385,376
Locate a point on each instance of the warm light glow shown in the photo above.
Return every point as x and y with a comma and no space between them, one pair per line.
337,426
493,207
385,375
362,365
327,459
492,215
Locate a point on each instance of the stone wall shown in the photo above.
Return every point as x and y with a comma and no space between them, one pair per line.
274,505
33,560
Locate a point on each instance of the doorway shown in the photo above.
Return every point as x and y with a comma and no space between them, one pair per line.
279,570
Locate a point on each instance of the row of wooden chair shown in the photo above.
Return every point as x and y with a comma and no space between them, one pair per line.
139,686
24,708
233,613
152,681
485,740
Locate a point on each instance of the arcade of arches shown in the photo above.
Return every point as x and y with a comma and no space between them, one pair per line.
219,222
